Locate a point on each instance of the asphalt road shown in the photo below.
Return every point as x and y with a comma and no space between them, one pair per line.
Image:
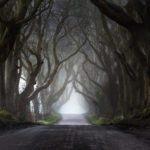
71,119
72,137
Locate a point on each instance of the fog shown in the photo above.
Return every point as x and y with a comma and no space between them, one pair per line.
75,105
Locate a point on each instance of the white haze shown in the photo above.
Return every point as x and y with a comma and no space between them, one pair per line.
75,105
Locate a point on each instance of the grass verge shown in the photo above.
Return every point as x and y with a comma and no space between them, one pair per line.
54,117
130,120
99,120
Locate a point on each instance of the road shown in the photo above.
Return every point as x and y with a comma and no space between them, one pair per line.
72,137
70,119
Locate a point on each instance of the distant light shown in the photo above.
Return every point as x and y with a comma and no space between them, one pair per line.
75,105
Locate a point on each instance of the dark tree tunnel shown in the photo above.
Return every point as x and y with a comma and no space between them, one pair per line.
85,57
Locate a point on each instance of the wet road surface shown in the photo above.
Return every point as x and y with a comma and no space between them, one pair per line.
69,137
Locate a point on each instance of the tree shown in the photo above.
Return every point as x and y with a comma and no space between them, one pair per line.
16,18
32,47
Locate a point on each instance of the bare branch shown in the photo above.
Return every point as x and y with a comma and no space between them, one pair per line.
58,30
85,95
34,10
115,13
78,49
91,62
93,81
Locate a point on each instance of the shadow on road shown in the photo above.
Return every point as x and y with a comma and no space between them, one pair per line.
73,132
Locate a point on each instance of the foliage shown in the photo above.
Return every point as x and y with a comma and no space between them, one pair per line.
140,119
99,120
6,116
52,119
146,113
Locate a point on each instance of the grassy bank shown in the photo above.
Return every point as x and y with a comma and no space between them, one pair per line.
9,121
137,119
98,120
53,118
5,116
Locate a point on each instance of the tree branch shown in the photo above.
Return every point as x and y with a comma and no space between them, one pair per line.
93,81
78,49
91,62
115,13
33,12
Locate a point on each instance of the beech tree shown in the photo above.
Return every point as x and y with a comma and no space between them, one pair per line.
36,51
111,45
136,21
115,58
15,14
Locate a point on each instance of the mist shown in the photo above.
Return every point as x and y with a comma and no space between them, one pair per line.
75,105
